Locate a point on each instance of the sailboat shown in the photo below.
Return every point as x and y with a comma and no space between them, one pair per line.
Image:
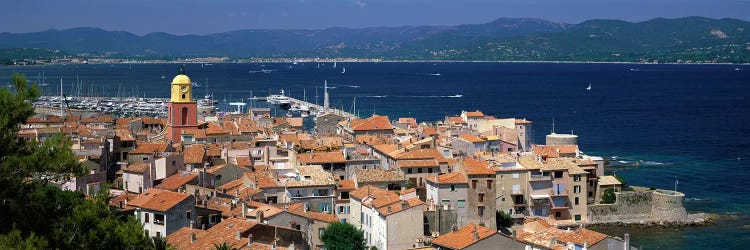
589,87
334,64
343,71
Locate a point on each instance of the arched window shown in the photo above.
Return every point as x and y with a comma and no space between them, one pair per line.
183,96
184,116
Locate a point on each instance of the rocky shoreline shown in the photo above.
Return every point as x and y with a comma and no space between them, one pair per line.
692,220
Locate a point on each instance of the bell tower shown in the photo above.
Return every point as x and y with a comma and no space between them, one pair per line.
182,110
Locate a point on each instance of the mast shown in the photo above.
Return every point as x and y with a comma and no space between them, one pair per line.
62,99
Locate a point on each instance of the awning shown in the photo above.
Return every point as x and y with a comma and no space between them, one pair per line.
539,196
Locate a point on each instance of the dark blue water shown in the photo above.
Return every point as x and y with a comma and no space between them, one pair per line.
685,122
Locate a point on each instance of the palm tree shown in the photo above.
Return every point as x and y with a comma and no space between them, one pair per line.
223,246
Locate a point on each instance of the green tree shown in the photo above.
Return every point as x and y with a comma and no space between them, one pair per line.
503,219
609,197
343,236
38,214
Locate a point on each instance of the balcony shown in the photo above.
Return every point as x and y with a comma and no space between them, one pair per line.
559,192
540,178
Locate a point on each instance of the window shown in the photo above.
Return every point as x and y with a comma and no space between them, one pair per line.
408,170
481,197
578,217
419,170
489,184
174,163
515,175
146,217
576,201
184,113
577,189
187,214
446,202
297,226
361,217
158,234
453,188
516,189
320,232
576,178
344,195
461,203
558,174
480,211
429,170
474,184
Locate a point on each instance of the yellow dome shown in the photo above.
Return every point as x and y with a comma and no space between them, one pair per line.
181,79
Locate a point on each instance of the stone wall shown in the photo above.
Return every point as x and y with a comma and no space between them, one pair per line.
640,206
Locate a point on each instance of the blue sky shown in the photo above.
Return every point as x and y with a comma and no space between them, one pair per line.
212,16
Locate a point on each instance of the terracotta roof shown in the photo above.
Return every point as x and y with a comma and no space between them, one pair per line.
555,150
386,148
417,163
464,237
137,167
294,121
473,166
197,133
154,121
475,114
223,232
149,148
377,175
216,129
180,239
177,180
429,131
455,120
262,179
124,135
471,138
449,178
607,180
346,185
398,206
583,236
298,209
159,200
420,154
408,120
100,119
373,139
375,122
244,161
194,154
213,150
321,157
311,176
384,201
46,119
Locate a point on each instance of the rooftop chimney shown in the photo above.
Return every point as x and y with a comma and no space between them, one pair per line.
476,234
192,237
192,224
259,217
243,209
404,205
237,235
249,239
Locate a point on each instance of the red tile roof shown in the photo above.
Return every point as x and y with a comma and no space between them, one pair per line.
473,166
375,122
149,148
159,200
475,114
137,167
194,154
471,138
464,237
177,180
321,157
449,178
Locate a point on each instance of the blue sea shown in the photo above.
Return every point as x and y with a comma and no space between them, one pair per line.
689,123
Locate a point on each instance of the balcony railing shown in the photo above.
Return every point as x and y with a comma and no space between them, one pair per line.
562,192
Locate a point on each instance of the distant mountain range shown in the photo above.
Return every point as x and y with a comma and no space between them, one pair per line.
686,39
